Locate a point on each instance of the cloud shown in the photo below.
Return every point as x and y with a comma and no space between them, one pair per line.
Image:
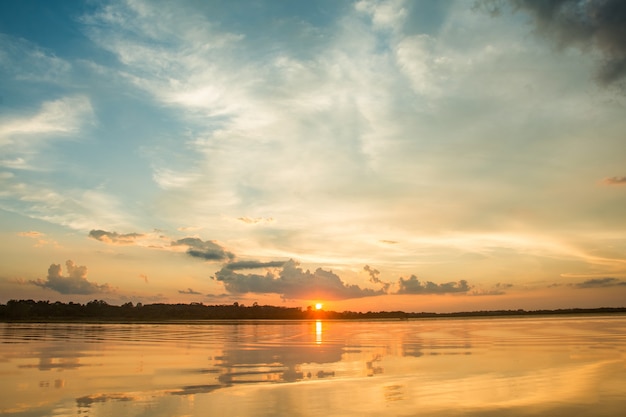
65,116
234,266
486,293
498,289
197,248
26,61
32,234
374,273
41,241
74,283
600,283
615,181
189,291
115,238
293,283
189,228
144,277
219,297
69,206
388,14
595,23
255,220
413,285
207,250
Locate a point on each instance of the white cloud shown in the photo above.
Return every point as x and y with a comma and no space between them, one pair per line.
25,61
417,59
407,133
75,208
388,14
169,179
63,117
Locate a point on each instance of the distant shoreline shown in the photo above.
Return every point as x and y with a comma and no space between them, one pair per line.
99,311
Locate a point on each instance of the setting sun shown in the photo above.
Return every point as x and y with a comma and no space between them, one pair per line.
318,306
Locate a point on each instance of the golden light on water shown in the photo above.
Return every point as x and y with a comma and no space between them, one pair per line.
318,332
521,366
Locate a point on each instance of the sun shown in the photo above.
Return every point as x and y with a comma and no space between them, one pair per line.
318,306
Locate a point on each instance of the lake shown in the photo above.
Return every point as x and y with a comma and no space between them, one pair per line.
557,366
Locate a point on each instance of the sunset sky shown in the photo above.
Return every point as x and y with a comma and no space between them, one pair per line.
393,155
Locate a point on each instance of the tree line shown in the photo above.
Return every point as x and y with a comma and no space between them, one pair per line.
30,310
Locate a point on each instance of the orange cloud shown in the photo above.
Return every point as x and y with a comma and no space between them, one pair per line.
614,181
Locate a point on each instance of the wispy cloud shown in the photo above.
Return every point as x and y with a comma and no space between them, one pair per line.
32,234
75,208
62,117
498,289
39,237
75,282
114,237
238,265
601,282
255,220
615,181
189,291
23,60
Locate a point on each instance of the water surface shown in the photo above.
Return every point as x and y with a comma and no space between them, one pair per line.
558,366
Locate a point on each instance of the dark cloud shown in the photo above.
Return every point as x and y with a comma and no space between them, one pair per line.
197,248
374,277
235,266
189,291
487,293
598,24
601,282
207,250
114,237
498,289
293,283
373,273
413,285
615,181
219,297
74,283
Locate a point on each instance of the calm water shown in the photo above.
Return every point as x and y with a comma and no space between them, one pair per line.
477,367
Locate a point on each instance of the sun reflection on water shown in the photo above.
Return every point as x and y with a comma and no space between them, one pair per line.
318,332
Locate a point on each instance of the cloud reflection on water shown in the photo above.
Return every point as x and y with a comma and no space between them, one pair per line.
289,368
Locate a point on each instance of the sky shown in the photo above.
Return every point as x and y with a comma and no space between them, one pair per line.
369,155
